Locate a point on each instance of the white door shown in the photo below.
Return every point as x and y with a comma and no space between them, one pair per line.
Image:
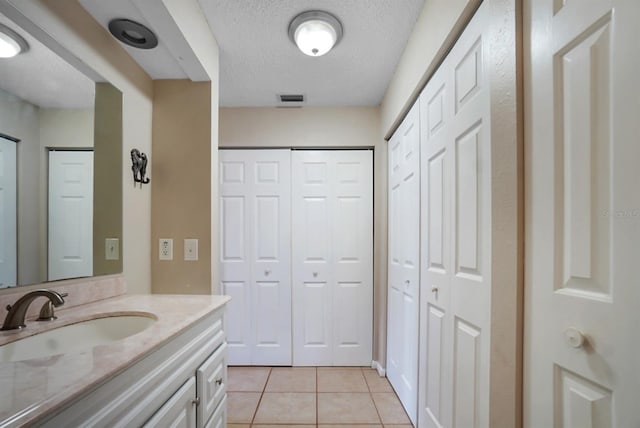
582,300
404,261
332,257
457,235
255,254
70,214
8,214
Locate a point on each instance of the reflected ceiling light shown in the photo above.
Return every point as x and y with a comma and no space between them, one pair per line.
315,32
11,43
133,33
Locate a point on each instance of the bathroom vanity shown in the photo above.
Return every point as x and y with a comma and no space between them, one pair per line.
171,368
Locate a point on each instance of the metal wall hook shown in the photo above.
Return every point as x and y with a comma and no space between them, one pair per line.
139,167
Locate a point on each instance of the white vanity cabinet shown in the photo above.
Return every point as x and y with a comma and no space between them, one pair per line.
182,384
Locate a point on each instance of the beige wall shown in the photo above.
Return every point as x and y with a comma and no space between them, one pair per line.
181,185
437,27
299,127
107,177
64,23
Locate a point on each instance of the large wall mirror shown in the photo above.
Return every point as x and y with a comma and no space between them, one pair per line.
60,169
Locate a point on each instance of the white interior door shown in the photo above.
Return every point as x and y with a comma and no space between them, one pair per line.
583,214
255,205
333,259
8,214
457,233
404,261
70,214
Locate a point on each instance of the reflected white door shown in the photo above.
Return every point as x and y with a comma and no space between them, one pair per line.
332,257
255,225
8,214
404,262
457,235
70,214
582,249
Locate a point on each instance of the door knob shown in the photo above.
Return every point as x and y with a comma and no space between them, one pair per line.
315,274
267,272
407,282
574,337
434,289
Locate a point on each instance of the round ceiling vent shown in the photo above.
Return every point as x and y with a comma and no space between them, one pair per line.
133,33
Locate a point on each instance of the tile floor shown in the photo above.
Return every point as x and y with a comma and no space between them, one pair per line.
305,397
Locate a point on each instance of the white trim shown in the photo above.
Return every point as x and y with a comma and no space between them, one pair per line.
378,367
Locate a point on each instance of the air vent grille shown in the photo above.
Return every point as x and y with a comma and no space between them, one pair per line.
291,100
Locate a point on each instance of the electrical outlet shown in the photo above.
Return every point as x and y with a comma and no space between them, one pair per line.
191,249
112,249
166,249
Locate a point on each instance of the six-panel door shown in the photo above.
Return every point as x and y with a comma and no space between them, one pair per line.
332,257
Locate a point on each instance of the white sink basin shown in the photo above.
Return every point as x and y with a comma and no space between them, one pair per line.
75,337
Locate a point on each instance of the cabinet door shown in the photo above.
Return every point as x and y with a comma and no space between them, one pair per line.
332,264
255,204
211,379
179,411
219,417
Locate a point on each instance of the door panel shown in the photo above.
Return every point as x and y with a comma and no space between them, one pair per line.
70,214
582,210
456,230
255,254
8,214
404,262
332,268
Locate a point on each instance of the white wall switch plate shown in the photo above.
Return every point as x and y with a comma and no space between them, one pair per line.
112,249
166,249
191,249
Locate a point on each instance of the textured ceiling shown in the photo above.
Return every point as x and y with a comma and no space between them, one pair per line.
42,78
257,59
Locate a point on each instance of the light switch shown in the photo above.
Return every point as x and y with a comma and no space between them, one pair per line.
191,249
112,249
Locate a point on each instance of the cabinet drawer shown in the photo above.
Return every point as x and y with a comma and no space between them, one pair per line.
211,383
219,418
179,411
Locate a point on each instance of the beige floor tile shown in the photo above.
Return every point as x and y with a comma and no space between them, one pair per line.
390,408
241,406
247,379
346,408
292,379
287,408
376,382
350,426
341,380
282,426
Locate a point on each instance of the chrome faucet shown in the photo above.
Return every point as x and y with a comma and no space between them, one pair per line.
18,311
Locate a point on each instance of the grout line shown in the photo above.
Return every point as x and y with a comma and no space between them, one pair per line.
264,387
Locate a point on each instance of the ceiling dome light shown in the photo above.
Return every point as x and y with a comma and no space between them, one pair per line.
11,43
133,33
315,32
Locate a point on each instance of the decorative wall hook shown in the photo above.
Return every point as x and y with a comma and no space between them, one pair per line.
139,167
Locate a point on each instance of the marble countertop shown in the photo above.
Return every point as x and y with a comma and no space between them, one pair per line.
33,389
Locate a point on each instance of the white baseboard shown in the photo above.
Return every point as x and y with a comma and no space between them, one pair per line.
376,365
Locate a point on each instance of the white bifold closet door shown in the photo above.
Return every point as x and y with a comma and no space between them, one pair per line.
404,261
457,236
255,205
332,257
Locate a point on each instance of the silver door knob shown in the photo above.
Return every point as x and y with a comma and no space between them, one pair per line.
267,272
574,337
434,289
407,282
315,274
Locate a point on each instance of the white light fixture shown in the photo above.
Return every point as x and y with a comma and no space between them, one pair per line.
11,43
315,32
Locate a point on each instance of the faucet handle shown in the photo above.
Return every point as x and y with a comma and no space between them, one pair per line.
47,312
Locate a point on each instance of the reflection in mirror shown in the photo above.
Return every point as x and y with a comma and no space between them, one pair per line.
60,169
